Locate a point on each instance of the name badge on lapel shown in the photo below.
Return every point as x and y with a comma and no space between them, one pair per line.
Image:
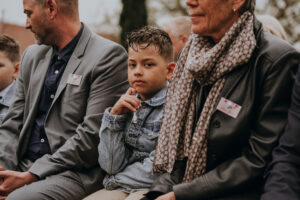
74,79
229,108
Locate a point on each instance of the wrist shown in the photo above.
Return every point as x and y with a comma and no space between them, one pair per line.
30,177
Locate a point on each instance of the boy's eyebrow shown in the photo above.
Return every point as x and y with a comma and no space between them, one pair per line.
144,59
148,59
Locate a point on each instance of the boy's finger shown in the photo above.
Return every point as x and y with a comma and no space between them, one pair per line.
129,106
133,101
131,91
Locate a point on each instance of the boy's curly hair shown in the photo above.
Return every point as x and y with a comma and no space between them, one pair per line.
150,35
10,47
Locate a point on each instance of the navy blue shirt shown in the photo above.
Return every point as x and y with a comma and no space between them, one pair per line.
38,144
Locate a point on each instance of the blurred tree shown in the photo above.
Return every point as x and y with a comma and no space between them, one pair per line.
165,8
133,16
288,13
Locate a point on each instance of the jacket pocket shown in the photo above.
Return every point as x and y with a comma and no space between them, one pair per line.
151,129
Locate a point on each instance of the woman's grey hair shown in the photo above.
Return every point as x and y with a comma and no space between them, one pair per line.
249,5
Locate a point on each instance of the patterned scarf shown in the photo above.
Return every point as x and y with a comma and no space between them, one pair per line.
209,64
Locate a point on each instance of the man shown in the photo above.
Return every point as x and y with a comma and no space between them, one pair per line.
9,69
283,176
179,30
63,88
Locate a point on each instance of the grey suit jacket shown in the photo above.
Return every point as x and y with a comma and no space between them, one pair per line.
74,118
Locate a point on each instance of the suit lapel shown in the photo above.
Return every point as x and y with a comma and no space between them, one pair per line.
74,61
39,77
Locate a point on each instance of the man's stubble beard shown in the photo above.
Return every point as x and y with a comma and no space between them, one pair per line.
45,32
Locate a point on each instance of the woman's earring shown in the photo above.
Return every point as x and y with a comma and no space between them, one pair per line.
234,10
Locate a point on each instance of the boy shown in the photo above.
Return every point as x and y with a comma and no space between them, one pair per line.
9,68
130,128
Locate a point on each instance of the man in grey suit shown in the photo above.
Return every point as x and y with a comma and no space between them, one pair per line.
49,138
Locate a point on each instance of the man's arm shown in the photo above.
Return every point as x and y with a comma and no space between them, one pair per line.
109,81
283,176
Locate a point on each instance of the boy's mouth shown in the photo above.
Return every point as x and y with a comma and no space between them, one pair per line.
138,82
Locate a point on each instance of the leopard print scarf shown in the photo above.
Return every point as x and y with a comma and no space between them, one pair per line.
209,64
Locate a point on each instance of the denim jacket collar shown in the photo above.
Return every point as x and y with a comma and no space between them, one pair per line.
7,98
157,100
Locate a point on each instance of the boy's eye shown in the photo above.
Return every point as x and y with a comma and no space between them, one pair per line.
149,64
131,65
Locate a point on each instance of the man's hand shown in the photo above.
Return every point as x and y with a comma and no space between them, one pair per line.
168,196
127,102
11,180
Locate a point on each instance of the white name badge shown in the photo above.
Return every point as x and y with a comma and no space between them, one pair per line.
229,108
74,79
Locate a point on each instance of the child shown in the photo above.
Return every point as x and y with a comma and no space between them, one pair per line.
129,130
9,68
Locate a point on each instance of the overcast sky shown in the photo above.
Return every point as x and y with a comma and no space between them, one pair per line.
11,11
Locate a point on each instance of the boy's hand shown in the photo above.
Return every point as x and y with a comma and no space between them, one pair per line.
127,102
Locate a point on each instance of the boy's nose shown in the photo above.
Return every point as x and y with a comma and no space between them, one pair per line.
138,71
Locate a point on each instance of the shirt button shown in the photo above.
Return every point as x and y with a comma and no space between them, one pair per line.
56,71
42,140
58,57
52,96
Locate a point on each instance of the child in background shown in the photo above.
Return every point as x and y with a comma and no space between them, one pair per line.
9,68
129,129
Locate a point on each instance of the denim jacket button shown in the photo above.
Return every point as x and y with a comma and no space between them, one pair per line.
151,133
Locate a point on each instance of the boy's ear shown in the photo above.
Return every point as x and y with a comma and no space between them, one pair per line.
171,67
16,70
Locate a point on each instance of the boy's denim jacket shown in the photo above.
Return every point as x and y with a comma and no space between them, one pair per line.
6,101
127,145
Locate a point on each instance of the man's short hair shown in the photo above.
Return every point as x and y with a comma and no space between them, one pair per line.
178,26
10,47
149,35
249,5
68,7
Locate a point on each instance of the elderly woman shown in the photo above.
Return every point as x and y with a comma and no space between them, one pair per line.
226,105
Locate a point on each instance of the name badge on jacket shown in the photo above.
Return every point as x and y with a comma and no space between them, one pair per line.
74,79
229,108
